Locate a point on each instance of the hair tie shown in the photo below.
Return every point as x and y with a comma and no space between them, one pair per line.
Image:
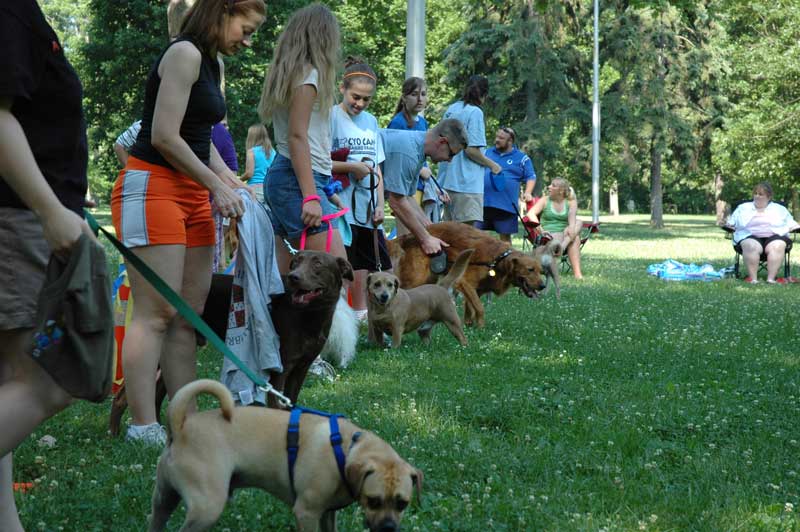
367,74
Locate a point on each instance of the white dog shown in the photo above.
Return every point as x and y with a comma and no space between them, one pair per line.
340,349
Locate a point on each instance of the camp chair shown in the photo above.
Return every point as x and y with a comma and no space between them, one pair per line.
762,260
541,238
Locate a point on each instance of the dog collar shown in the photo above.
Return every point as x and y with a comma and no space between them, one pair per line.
497,259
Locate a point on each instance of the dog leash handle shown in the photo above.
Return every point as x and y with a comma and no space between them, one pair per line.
326,218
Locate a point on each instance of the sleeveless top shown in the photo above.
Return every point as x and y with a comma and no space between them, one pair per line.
261,164
205,108
552,221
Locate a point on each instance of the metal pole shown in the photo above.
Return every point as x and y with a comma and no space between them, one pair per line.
596,119
415,39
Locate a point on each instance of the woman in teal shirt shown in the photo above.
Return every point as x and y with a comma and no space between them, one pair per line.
558,216
259,157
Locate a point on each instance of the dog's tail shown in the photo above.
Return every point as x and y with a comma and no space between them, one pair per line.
180,403
458,269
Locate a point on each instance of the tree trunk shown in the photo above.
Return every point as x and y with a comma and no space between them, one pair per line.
656,194
613,200
795,204
722,207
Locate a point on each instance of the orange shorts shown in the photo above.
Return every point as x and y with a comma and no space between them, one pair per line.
153,205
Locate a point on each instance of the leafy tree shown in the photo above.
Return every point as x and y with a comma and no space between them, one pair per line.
760,139
123,40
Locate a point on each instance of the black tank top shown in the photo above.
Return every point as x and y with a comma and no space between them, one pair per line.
206,107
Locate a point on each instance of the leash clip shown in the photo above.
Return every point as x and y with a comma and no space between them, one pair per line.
282,399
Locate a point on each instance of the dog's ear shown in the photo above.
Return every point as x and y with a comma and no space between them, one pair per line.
345,268
396,284
369,279
356,472
416,479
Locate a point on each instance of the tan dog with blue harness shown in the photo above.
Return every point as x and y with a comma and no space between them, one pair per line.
331,464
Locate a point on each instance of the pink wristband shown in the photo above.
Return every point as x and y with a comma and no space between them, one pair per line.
312,197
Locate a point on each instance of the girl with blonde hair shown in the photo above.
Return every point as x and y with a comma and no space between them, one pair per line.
558,216
297,98
258,158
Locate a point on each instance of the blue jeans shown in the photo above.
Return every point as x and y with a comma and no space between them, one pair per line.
285,199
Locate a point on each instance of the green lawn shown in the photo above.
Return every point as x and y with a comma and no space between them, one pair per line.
630,404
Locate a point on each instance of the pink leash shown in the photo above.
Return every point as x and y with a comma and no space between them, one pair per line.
327,219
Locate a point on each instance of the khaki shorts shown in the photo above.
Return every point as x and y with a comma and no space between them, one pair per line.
463,207
24,254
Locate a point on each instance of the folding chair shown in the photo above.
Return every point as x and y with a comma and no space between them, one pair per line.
762,260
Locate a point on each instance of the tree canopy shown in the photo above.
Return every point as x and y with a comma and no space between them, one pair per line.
690,91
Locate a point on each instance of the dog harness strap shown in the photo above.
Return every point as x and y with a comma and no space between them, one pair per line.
327,219
336,443
293,441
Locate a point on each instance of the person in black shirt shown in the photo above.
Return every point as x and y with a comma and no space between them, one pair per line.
160,202
43,158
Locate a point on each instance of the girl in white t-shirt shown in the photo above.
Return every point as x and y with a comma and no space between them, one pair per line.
297,97
352,127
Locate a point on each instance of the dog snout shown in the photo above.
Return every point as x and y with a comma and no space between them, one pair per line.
384,297
542,284
387,525
293,277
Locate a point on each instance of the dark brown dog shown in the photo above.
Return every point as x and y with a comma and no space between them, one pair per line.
302,317
396,311
214,452
303,314
495,266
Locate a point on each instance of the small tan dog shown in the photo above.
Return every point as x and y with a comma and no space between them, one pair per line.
549,255
396,311
213,452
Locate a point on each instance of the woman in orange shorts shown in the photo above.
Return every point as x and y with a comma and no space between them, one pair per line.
160,204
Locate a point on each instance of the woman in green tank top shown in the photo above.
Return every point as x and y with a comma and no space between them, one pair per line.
557,212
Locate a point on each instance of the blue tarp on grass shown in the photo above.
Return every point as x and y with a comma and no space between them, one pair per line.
672,270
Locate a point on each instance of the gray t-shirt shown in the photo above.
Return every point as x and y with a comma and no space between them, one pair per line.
319,131
405,155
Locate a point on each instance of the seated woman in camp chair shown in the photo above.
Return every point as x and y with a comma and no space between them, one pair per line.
761,227
558,217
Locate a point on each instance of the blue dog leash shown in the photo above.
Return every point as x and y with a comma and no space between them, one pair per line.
293,442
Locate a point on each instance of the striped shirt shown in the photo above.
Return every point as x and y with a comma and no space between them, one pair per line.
128,136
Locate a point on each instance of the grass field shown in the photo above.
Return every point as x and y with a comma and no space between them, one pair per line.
630,404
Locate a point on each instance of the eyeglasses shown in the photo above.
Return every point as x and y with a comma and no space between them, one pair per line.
449,148
509,131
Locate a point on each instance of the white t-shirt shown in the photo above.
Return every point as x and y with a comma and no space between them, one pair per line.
360,134
319,131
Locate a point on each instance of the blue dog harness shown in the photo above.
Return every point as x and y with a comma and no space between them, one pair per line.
293,441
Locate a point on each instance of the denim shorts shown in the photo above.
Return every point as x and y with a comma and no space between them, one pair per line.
285,199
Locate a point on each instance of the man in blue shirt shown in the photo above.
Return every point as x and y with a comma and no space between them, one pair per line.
405,153
502,191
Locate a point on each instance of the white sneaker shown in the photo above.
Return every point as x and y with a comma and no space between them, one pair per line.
152,434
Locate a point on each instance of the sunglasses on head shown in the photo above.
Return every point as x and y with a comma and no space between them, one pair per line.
509,131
